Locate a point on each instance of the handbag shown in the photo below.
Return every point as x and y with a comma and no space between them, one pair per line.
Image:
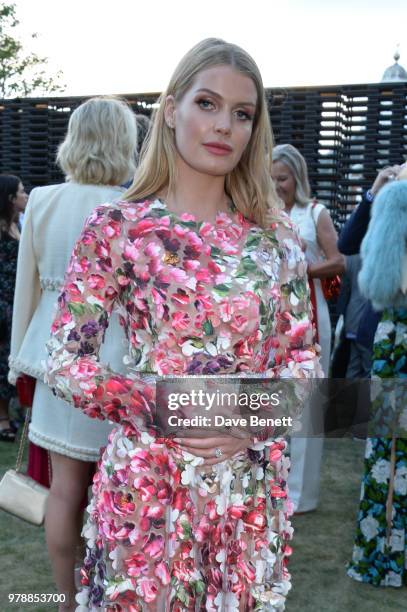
25,386
20,495
331,285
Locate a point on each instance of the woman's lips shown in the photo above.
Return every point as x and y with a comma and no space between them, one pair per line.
218,149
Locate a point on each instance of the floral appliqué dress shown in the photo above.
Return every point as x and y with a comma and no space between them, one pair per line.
195,299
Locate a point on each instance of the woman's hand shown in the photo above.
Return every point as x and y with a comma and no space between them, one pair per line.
384,176
207,447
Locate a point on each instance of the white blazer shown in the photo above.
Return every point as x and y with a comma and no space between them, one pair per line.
53,221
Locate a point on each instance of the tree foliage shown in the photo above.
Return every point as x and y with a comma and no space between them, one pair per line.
21,73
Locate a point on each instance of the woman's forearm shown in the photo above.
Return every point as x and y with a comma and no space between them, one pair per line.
327,268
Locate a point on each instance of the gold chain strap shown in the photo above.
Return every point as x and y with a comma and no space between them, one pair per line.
23,440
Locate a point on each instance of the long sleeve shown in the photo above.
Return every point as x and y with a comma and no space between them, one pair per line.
294,353
91,290
27,290
354,229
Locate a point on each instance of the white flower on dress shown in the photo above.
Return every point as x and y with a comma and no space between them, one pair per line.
392,579
401,333
369,448
381,471
221,558
260,569
115,556
120,587
90,532
397,539
358,554
267,556
400,480
369,526
227,602
383,331
259,473
124,446
82,598
188,475
403,419
221,504
282,587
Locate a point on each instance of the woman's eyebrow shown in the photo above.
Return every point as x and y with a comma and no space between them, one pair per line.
216,95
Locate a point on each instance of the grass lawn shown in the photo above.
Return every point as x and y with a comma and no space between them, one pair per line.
322,546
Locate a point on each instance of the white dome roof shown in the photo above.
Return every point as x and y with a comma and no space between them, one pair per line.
395,72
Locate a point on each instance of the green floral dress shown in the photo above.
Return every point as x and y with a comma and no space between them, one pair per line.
380,551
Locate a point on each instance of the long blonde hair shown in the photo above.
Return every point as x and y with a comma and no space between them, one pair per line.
249,185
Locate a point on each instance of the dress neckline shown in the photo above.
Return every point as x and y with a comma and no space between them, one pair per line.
230,215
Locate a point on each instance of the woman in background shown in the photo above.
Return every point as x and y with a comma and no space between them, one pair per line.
97,155
317,231
380,549
13,200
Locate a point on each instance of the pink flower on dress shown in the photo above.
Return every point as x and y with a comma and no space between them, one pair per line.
205,229
192,264
136,565
141,462
153,250
84,369
146,487
119,503
154,546
143,226
247,570
111,229
181,320
298,330
176,275
203,275
162,573
147,588
153,512
255,520
164,494
180,231
239,323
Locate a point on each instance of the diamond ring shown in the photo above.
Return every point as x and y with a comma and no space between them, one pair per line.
218,453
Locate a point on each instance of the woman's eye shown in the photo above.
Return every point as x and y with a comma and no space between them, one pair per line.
244,116
205,104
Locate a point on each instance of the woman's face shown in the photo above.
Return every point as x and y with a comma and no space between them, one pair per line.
20,199
213,121
284,181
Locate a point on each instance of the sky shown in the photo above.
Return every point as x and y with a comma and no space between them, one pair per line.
129,46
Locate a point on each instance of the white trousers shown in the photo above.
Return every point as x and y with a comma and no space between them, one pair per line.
306,453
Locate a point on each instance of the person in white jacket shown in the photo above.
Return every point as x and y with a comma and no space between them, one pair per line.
97,155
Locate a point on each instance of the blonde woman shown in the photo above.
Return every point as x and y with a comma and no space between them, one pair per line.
96,156
197,261
319,238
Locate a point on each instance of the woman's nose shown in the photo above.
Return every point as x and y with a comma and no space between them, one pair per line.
224,123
